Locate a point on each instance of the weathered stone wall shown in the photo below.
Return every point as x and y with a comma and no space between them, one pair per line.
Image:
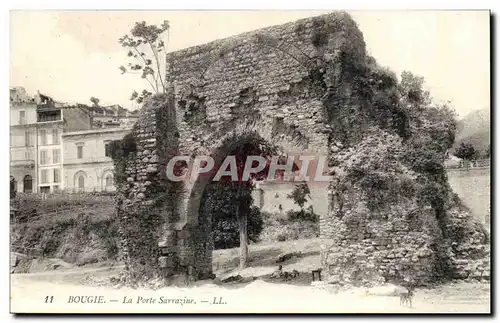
271,83
259,83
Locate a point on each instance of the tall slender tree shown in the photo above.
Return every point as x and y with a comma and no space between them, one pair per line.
146,51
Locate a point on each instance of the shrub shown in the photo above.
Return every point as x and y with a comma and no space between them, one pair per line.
82,224
279,229
302,215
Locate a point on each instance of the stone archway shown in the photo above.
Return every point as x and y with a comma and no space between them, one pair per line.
196,229
249,84
266,82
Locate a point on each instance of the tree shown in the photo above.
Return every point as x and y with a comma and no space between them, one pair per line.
12,187
466,151
95,101
146,49
487,152
242,146
299,195
218,205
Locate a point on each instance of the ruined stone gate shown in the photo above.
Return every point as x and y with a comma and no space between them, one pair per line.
269,83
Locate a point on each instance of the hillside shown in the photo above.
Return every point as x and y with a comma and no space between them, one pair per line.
475,128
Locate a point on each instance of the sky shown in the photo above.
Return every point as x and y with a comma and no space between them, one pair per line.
75,55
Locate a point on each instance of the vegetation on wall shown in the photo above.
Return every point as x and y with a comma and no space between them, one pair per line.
119,150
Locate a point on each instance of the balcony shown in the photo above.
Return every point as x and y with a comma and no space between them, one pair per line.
87,160
49,116
29,163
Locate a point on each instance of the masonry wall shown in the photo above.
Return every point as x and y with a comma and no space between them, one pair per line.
473,186
268,83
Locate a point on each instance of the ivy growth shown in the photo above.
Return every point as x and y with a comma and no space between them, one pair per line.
119,150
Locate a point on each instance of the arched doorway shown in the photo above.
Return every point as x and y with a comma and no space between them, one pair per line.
27,184
226,215
79,181
107,181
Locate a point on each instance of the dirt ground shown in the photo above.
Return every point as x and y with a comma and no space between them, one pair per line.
29,292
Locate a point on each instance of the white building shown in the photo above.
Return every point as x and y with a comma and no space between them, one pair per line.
23,145
54,146
36,127
87,164
53,119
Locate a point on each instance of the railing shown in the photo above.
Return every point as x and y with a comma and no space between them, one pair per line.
464,164
49,118
70,194
26,162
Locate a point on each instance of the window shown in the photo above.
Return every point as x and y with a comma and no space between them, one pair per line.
55,136
56,175
109,180
45,189
55,156
81,183
79,152
107,153
27,184
22,117
43,157
27,155
45,176
27,138
43,136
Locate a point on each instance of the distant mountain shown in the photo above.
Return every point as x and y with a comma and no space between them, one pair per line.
474,128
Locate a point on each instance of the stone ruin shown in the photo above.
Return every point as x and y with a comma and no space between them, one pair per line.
272,83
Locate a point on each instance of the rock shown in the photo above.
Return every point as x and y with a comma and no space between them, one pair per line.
15,258
141,196
247,279
232,279
288,256
47,264
151,169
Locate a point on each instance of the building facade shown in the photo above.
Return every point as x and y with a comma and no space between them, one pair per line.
23,143
56,146
88,167
50,125
53,119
